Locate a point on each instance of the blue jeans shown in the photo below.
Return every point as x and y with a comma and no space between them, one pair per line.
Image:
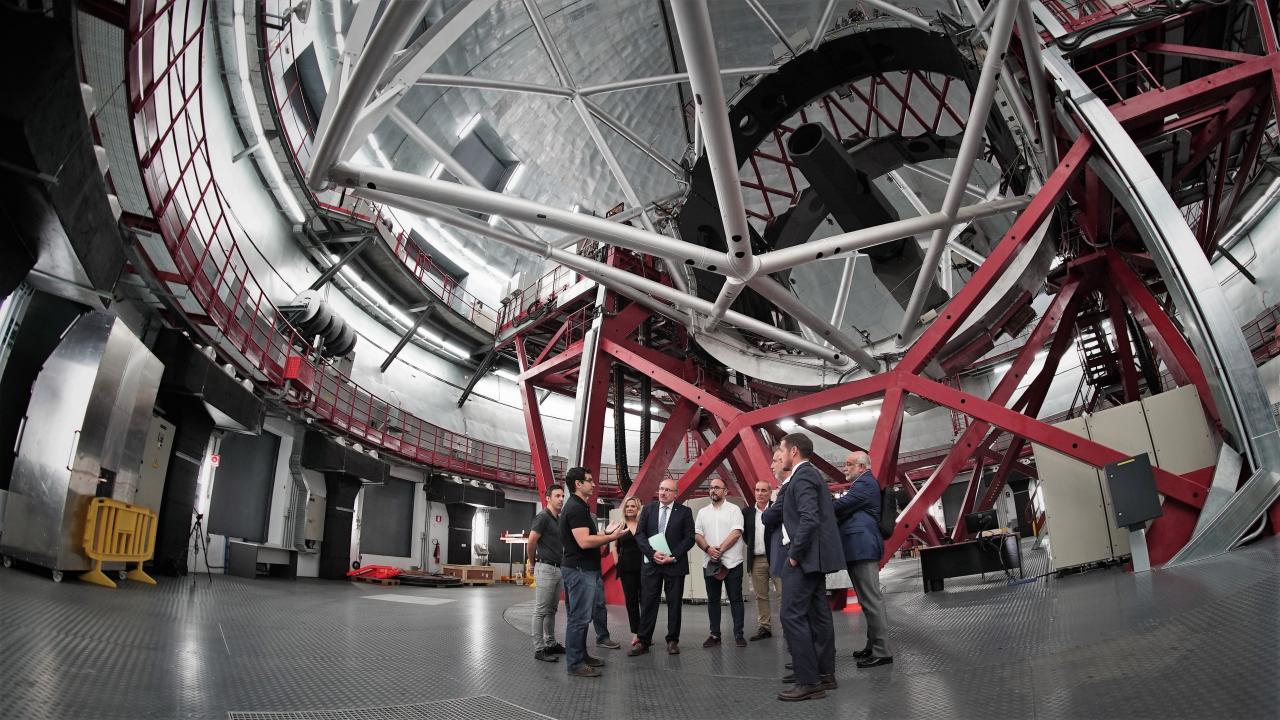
581,588
599,614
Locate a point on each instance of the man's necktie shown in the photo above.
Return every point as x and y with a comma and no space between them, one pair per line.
662,519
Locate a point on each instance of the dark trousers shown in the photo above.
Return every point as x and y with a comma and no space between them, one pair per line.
631,592
732,583
652,585
806,623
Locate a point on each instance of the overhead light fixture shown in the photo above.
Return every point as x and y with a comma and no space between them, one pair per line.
455,350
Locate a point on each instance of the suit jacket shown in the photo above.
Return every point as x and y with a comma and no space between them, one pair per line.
679,536
858,510
749,534
805,507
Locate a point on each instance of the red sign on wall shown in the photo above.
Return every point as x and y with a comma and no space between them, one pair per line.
439,518
215,460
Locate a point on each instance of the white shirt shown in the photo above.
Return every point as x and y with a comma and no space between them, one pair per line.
759,549
714,525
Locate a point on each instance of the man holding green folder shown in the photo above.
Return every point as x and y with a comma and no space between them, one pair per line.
664,533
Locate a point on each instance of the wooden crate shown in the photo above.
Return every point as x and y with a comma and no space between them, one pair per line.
471,574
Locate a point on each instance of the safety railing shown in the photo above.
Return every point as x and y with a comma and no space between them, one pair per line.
297,122
1079,14
1122,77
219,293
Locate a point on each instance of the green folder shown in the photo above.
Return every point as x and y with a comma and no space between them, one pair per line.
659,544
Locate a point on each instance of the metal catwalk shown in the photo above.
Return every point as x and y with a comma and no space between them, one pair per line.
1199,641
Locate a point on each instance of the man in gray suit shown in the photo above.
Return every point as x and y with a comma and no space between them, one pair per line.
858,510
811,549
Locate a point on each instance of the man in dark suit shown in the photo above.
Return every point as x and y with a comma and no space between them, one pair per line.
662,572
858,510
811,549
757,538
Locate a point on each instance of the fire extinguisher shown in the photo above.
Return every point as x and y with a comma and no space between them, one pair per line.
435,551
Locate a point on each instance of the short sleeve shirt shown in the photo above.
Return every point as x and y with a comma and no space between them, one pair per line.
550,548
715,525
576,514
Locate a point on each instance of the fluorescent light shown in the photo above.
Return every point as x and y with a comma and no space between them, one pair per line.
1001,369
430,336
455,350
787,424
471,125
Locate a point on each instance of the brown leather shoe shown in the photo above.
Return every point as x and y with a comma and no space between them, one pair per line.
828,682
802,692
673,647
639,648
761,634
711,641
585,671
594,662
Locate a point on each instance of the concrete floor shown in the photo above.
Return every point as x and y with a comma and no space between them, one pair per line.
1201,641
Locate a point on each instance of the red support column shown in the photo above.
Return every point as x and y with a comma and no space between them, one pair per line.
539,458
706,463
959,532
597,403
929,531
1128,369
888,436
669,441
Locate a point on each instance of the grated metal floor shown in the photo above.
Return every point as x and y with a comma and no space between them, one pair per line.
1199,641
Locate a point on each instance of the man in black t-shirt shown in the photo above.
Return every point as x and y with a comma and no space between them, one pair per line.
544,557
580,568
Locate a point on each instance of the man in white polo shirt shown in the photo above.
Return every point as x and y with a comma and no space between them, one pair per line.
718,531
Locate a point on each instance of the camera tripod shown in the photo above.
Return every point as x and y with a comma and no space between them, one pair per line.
199,545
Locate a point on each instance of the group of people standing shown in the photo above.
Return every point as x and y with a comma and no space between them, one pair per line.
789,543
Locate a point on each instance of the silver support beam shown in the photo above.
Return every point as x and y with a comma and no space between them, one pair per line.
632,137
1206,316
331,140
615,278
974,134
785,301
1226,476
894,10
404,339
770,23
699,46
824,24
849,242
842,292
460,81
670,79
484,201
586,373
548,43
1031,50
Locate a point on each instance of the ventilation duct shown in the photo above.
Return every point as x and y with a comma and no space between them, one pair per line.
314,317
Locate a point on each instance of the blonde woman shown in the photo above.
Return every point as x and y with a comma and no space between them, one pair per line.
626,558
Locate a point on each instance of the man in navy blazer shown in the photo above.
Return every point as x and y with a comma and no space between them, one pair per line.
662,572
811,549
858,510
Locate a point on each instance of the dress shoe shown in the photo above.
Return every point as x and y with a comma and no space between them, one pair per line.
673,647
862,654
740,642
711,641
555,649
803,692
608,643
761,634
545,656
874,662
640,648
828,682
584,671
594,662
789,678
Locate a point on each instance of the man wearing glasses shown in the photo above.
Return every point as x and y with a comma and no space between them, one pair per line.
664,568
580,568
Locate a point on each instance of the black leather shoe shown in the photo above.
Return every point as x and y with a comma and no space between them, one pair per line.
789,678
740,642
874,662
673,647
862,654
594,662
638,649
711,641
545,656
556,649
828,682
803,692
761,634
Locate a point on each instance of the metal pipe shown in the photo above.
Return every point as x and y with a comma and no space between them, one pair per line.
617,279
669,79
842,292
586,373
988,16
490,84
548,43
970,145
934,174
1039,84
916,20
484,201
333,269
404,339
868,237
699,46
824,24
332,139
630,135
769,22
776,294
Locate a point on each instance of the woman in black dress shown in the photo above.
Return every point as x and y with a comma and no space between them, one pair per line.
627,560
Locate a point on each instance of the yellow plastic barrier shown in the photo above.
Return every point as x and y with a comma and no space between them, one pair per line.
118,532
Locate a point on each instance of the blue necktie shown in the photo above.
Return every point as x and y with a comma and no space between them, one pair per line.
662,519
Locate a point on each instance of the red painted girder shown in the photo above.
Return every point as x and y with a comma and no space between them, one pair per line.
830,436
1197,53
1128,368
712,456
1040,433
565,360
1154,106
670,439
540,460
828,399
660,367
